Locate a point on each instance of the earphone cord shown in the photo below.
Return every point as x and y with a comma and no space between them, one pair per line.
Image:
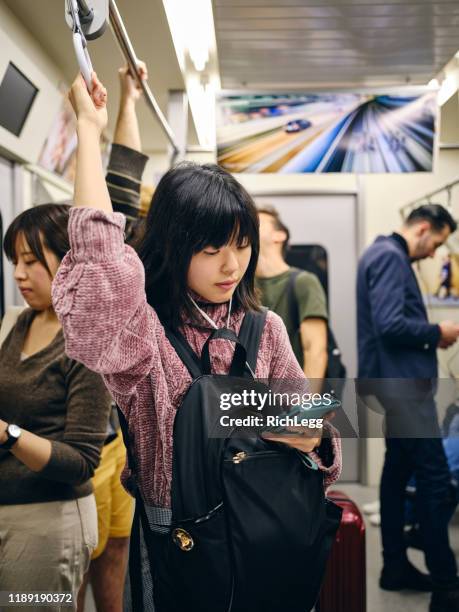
215,326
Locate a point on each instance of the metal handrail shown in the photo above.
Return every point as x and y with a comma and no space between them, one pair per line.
127,50
427,197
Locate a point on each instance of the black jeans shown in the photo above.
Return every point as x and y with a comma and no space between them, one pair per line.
425,459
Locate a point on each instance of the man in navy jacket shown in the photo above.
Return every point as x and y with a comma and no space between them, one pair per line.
397,346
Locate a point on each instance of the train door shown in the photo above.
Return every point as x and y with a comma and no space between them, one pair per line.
324,238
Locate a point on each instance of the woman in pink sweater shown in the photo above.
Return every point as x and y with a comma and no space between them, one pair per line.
198,256
111,322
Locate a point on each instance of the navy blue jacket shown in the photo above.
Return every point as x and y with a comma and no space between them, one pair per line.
395,339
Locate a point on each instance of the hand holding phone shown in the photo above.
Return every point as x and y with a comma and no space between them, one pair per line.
302,438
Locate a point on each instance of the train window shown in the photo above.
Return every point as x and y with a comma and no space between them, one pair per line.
310,257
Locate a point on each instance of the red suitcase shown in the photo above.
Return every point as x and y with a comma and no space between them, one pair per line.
344,585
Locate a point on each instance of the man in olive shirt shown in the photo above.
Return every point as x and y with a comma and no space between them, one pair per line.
309,341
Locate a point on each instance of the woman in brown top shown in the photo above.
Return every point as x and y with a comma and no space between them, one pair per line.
53,421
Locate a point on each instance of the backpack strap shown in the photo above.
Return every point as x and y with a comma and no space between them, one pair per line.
335,367
139,531
135,559
238,362
185,352
293,311
250,334
127,444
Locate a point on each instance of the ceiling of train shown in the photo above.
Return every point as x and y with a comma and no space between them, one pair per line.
267,44
149,32
298,43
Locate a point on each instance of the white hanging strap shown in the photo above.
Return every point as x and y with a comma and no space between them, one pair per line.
80,45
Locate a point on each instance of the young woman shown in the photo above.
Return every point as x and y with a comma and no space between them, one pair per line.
197,264
53,420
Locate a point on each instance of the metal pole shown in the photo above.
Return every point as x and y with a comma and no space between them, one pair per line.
448,187
128,51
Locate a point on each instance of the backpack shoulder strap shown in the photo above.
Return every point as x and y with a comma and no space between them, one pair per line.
180,345
185,352
293,311
127,443
250,334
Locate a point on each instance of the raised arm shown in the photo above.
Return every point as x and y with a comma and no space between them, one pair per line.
98,291
127,162
90,188
127,131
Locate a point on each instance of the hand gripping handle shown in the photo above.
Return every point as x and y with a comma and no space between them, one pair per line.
84,61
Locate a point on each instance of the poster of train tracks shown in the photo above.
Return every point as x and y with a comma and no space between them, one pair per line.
337,132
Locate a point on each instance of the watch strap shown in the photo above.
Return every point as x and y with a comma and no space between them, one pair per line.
10,442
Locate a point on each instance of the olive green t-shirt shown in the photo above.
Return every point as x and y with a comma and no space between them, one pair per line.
310,296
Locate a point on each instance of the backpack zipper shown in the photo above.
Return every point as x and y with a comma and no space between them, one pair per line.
238,457
243,456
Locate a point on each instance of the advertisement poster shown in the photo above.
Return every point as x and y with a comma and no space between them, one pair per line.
336,132
58,154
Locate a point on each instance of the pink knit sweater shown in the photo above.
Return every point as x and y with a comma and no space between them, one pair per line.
99,297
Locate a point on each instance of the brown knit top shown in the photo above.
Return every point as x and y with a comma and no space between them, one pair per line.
52,396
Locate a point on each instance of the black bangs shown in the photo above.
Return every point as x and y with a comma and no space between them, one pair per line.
222,218
194,207
47,223
23,225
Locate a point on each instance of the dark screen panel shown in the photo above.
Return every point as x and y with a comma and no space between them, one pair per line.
17,94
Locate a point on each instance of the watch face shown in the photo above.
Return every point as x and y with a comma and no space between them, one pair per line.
14,431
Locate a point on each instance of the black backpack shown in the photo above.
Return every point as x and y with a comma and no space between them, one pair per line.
336,370
251,529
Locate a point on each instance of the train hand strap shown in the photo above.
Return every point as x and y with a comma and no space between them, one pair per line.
79,44
88,21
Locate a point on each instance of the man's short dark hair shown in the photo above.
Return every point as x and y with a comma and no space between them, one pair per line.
435,214
278,224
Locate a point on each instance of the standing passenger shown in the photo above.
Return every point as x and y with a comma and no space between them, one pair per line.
398,344
308,335
53,420
199,256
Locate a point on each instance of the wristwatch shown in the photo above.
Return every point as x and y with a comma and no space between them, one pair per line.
14,433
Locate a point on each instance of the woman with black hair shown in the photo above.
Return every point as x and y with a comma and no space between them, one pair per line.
53,420
196,272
